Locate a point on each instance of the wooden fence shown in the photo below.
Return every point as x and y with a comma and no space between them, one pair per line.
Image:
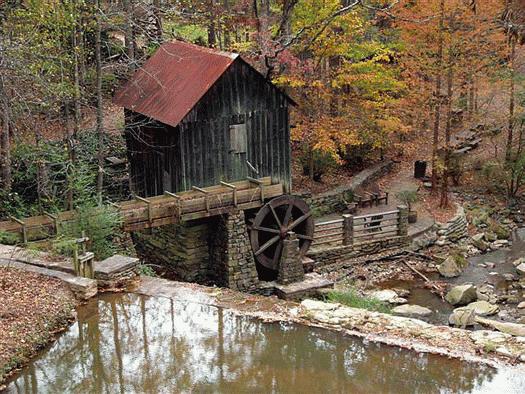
350,229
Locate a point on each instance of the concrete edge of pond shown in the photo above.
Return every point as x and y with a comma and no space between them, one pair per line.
487,347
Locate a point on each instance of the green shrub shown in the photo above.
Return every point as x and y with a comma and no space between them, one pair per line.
101,224
500,231
146,270
407,197
352,298
7,238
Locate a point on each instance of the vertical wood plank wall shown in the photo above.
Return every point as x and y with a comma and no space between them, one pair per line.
197,151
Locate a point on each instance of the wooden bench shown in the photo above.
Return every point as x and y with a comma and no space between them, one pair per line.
378,197
362,202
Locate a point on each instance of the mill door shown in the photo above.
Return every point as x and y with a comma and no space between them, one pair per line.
238,146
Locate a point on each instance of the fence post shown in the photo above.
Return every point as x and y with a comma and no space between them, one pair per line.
348,229
402,224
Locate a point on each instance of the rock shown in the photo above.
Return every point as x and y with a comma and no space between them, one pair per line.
398,300
521,305
500,243
449,268
514,329
314,305
490,265
519,261
481,265
461,295
490,237
483,337
411,310
483,308
462,317
497,280
480,244
478,237
509,277
521,269
384,295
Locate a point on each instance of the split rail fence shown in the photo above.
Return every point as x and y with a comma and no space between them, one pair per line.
350,229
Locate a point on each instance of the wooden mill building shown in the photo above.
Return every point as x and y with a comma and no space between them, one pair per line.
197,116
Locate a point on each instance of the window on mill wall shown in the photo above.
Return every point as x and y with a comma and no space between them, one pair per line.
238,138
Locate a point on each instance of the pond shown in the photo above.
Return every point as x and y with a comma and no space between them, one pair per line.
127,343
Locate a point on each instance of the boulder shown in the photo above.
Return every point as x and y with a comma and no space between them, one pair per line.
521,269
449,268
411,310
478,237
483,308
480,244
521,305
462,295
490,237
462,317
519,261
514,329
384,295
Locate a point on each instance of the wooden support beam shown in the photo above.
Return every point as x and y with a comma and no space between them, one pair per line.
177,205
234,191
258,183
54,218
206,196
148,202
24,230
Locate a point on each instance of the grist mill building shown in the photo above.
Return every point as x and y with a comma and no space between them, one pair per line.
197,116
198,120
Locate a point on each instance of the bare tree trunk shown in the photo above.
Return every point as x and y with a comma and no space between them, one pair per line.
100,113
5,141
157,12
227,38
510,126
212,36
76,96
128,32
437,95
448,126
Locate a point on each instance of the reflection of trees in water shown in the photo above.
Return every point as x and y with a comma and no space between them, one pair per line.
127,343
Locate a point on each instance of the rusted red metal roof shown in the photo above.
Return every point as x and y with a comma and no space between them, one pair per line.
173,80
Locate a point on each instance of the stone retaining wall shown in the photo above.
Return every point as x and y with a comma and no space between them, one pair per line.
333,258
182,247
454,229
334,200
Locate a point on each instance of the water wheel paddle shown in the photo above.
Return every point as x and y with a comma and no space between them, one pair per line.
271,224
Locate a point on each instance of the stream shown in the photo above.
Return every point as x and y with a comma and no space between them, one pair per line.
129,343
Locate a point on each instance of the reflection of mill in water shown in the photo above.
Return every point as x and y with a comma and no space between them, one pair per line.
130,343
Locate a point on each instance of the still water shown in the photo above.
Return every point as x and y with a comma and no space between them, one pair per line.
126,343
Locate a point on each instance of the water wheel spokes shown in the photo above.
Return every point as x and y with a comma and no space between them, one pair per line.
272,224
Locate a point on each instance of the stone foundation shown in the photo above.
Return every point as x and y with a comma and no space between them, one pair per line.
215,251
183,247
333,258
232,258
290,267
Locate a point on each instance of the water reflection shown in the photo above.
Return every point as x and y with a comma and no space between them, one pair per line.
132,344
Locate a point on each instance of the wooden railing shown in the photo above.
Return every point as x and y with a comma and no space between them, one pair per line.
350,229
169,208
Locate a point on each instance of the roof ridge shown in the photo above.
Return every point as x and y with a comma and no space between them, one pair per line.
212,51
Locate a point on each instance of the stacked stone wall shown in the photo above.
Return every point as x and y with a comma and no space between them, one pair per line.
231,254
183,247
333,258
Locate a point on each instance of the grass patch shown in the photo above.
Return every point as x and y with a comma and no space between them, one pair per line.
353,299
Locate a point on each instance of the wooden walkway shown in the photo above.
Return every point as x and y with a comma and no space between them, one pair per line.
143,213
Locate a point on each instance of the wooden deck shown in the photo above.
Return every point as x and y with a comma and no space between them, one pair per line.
170,208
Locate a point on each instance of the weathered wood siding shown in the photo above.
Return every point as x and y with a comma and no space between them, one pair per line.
198,151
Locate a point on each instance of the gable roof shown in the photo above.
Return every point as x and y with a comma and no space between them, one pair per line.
173,81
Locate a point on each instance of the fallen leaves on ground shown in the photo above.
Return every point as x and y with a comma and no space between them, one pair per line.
33,308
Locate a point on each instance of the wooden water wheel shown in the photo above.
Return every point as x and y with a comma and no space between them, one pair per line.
271,225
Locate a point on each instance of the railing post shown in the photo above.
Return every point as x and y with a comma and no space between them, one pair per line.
348,229
402,221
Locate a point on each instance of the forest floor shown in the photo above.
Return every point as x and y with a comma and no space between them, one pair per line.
33,309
